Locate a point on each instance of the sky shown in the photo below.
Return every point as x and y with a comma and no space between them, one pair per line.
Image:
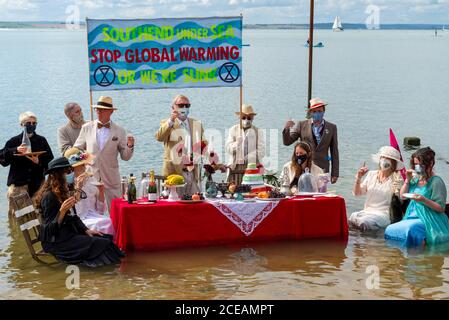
254,11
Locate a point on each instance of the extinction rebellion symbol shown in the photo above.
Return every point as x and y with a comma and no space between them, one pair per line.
229,72
104,76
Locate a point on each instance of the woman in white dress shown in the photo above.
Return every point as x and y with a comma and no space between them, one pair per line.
292,170
379,187
92,209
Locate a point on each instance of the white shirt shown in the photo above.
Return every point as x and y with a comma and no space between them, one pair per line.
102,136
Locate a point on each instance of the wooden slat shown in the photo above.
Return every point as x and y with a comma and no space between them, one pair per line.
30,224
21,212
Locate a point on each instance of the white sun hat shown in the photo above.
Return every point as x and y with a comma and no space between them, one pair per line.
390,153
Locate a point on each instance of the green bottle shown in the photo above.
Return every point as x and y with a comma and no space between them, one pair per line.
152,188
132,191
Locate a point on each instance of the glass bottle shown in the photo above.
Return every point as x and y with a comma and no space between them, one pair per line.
132,192
124,188
26,140
144,186
152,188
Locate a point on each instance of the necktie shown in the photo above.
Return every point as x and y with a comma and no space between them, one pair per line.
106,125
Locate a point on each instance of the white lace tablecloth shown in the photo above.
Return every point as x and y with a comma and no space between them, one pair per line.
245,215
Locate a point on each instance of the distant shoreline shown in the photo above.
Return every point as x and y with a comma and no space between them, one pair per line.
319,26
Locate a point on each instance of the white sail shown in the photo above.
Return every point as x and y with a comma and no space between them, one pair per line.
337,24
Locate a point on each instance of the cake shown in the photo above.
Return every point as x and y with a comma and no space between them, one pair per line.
254,178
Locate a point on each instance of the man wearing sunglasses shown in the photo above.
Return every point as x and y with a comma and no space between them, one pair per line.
183,139
244,145
26,172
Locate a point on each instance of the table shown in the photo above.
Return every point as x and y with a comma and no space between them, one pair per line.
174,225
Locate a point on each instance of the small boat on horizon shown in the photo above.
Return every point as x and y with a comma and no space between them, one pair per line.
318,45
337,24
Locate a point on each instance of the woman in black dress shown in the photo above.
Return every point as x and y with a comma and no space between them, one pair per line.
62,233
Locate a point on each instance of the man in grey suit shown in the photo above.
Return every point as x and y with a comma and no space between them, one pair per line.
106,140
68,133
320,134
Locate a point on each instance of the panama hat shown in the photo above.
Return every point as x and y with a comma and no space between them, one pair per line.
76,157
316,103
247,109
390,153
57,163
105,103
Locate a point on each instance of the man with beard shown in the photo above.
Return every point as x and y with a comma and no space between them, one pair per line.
68,133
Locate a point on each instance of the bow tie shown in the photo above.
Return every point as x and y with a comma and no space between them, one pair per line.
100,125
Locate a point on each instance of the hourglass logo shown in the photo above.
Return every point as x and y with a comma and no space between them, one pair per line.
104,76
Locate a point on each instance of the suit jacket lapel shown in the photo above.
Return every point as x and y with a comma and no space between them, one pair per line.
309,131
93,138
325,133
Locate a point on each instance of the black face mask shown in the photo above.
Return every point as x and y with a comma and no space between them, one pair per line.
301,159
30,128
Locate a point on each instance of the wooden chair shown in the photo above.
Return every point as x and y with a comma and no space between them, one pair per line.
29,221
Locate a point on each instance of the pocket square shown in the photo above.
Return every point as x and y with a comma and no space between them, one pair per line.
114,138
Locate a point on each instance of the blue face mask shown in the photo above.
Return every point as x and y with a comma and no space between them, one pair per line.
318,116
70,178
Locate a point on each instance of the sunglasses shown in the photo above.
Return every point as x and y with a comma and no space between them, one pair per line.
183,105
82,193
247,118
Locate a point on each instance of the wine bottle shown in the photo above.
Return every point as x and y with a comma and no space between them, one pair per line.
152,188
132,192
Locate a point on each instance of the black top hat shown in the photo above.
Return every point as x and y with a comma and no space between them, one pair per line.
58,163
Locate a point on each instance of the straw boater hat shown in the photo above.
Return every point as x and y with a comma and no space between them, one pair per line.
77,157
390,153
316,103
247,109
105,103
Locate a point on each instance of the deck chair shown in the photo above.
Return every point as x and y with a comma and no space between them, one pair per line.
29,221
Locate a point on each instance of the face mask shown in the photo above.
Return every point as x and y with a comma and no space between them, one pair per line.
385,164
318,116
247,123
301,159
70,178
420,170
30,128
183,112
78,119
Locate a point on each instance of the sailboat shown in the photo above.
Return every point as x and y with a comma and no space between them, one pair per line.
337,24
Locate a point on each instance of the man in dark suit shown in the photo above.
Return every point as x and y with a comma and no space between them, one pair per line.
320,134
26,171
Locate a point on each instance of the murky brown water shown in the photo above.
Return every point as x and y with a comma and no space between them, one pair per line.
312,269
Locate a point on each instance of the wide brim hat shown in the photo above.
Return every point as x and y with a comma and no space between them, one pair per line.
105,103
316,103
247,110
76,157
390,153
57,163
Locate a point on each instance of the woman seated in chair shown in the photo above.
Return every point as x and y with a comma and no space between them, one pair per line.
425,221
92,209
379,187
62,232
292,170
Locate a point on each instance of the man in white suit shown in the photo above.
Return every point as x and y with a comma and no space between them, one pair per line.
244,145
106,140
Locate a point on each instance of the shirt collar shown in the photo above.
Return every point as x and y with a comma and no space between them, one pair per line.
319,126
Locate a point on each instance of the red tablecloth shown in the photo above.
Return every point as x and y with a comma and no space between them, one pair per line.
172,225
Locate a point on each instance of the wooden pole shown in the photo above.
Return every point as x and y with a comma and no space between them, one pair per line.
241,82
309,92
91,107
88,72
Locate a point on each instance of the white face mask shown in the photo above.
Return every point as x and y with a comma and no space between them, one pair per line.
247,123
385,164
